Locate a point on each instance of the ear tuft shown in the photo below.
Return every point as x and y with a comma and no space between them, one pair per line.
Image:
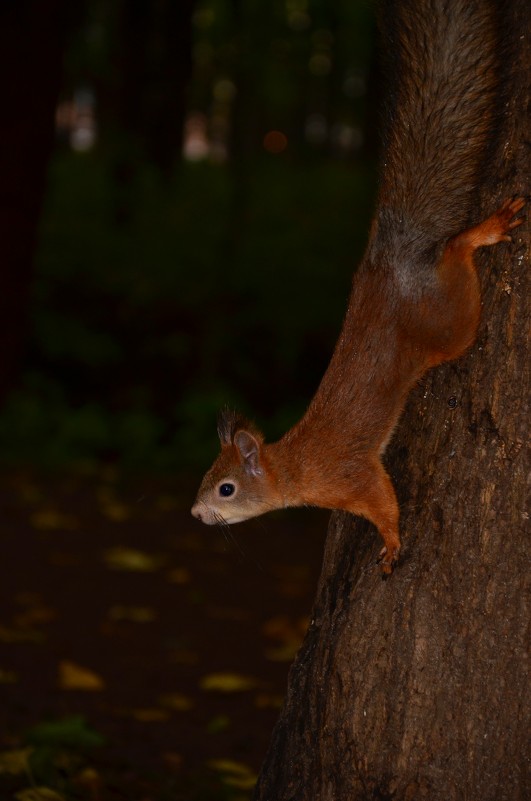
249,450
231,421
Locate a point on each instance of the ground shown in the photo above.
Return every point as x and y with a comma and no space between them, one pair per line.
143,655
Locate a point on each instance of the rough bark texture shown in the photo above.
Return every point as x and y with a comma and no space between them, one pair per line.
416,687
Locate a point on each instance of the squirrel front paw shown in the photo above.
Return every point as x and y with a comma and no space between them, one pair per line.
387,559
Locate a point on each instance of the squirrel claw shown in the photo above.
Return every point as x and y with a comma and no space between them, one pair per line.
388,559
496,227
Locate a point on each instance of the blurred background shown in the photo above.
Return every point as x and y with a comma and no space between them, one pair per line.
186,190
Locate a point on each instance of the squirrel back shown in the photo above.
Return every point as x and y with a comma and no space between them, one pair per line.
415,298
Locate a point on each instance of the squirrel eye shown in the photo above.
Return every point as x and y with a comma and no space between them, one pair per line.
226,490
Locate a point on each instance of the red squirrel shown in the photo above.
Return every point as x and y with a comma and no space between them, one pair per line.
415,299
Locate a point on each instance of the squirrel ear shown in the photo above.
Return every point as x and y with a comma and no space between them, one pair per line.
249,449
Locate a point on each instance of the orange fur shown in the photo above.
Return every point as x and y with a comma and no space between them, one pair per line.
331,458
415,299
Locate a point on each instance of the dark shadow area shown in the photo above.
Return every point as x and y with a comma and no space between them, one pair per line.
186,191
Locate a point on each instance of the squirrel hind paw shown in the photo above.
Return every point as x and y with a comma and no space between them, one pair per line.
496,228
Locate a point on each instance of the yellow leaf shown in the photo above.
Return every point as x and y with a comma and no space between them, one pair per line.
229,766
15,762
50,519
177,702
228,682
241,782
133,560
89,778
284,653
75,677
133,614
116,511
235,774
38,794
111,506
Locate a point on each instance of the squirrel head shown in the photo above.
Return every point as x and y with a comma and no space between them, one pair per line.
239,485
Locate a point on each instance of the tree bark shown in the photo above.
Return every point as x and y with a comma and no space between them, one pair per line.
416,687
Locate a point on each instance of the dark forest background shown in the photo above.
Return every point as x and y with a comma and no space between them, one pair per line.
187,190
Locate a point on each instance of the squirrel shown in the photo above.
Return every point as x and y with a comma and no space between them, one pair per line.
415,299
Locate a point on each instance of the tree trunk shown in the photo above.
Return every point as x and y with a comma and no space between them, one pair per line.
415,687
156,70
31,46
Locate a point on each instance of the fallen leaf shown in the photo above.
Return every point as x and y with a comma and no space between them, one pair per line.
89,779
229,766
228,682
241,782
234,774
133,614
50,520
284,653
111,507
35,616
133,560
20,635
75,677
38,794
15,762
116,511
177,702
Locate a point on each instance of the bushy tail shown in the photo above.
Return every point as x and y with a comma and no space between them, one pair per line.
444,59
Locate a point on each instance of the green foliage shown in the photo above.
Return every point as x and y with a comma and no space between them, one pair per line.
156,302
143,329
69,733
59,749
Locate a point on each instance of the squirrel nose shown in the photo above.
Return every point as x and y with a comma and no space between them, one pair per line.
196,513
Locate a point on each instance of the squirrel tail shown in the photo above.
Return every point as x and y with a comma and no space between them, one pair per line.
445,64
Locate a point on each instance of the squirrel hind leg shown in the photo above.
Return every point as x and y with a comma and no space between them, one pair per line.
495,228
451,324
